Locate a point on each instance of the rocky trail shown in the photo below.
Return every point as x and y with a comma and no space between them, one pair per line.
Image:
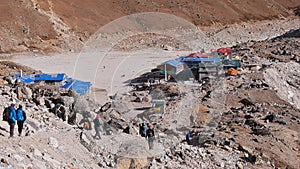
43,27
250,120
245,121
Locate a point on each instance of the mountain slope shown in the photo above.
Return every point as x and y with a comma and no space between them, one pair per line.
60,25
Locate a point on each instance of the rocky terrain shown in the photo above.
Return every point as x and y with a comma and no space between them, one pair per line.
246,121
59,26
251,120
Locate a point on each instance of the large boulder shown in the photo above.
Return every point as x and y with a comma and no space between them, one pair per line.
10,79
65,100
120,106
81,105
72,117
134,163
61,111
23,92
6,90
39,101
49,104
53,142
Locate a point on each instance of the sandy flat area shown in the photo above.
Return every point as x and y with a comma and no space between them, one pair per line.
105,70
111,70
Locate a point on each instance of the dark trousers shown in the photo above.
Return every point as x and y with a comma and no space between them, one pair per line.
150,142
97,130
188,141
11,128
20,126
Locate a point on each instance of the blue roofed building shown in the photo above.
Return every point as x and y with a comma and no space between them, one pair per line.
65,82
172,67
79,86
29,78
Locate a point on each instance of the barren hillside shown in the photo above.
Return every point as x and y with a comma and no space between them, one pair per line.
250,120
61,25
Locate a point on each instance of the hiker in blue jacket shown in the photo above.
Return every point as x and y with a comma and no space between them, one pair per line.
12,119
21,117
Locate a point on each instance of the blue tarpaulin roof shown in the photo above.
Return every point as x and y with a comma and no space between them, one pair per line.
185,59
80,87
28,78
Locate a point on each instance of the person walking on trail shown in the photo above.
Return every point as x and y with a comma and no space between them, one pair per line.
188,137
143,129
127,130
97,124
12,119
144,132
86,121
21,117
150,136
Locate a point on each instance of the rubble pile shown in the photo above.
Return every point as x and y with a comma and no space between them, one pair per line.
151,40
250,120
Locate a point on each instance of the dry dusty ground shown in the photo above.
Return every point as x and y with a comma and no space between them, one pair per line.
235,135
51,26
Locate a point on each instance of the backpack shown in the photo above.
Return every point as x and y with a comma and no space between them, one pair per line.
21,117
150,132
87,125
5,116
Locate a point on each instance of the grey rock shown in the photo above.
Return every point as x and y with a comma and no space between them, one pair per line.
52,161
39,164
36,152
18,157
146,99
138,99
53,142
49,104
85,139
61,111
6,90
10,79
39,101
120,106
81,105
248,101
66,101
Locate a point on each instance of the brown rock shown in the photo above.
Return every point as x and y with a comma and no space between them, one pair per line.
4,161
132,163
23,92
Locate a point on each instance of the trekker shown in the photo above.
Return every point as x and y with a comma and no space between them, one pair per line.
21,117
188,137
12,119
97,124
150,136
127,130
143,130
86,121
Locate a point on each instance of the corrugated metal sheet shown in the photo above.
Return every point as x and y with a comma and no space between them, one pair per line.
80,87
174,63
214,60
28,78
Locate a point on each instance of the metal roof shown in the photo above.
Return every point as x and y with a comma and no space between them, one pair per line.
80,87
174,63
